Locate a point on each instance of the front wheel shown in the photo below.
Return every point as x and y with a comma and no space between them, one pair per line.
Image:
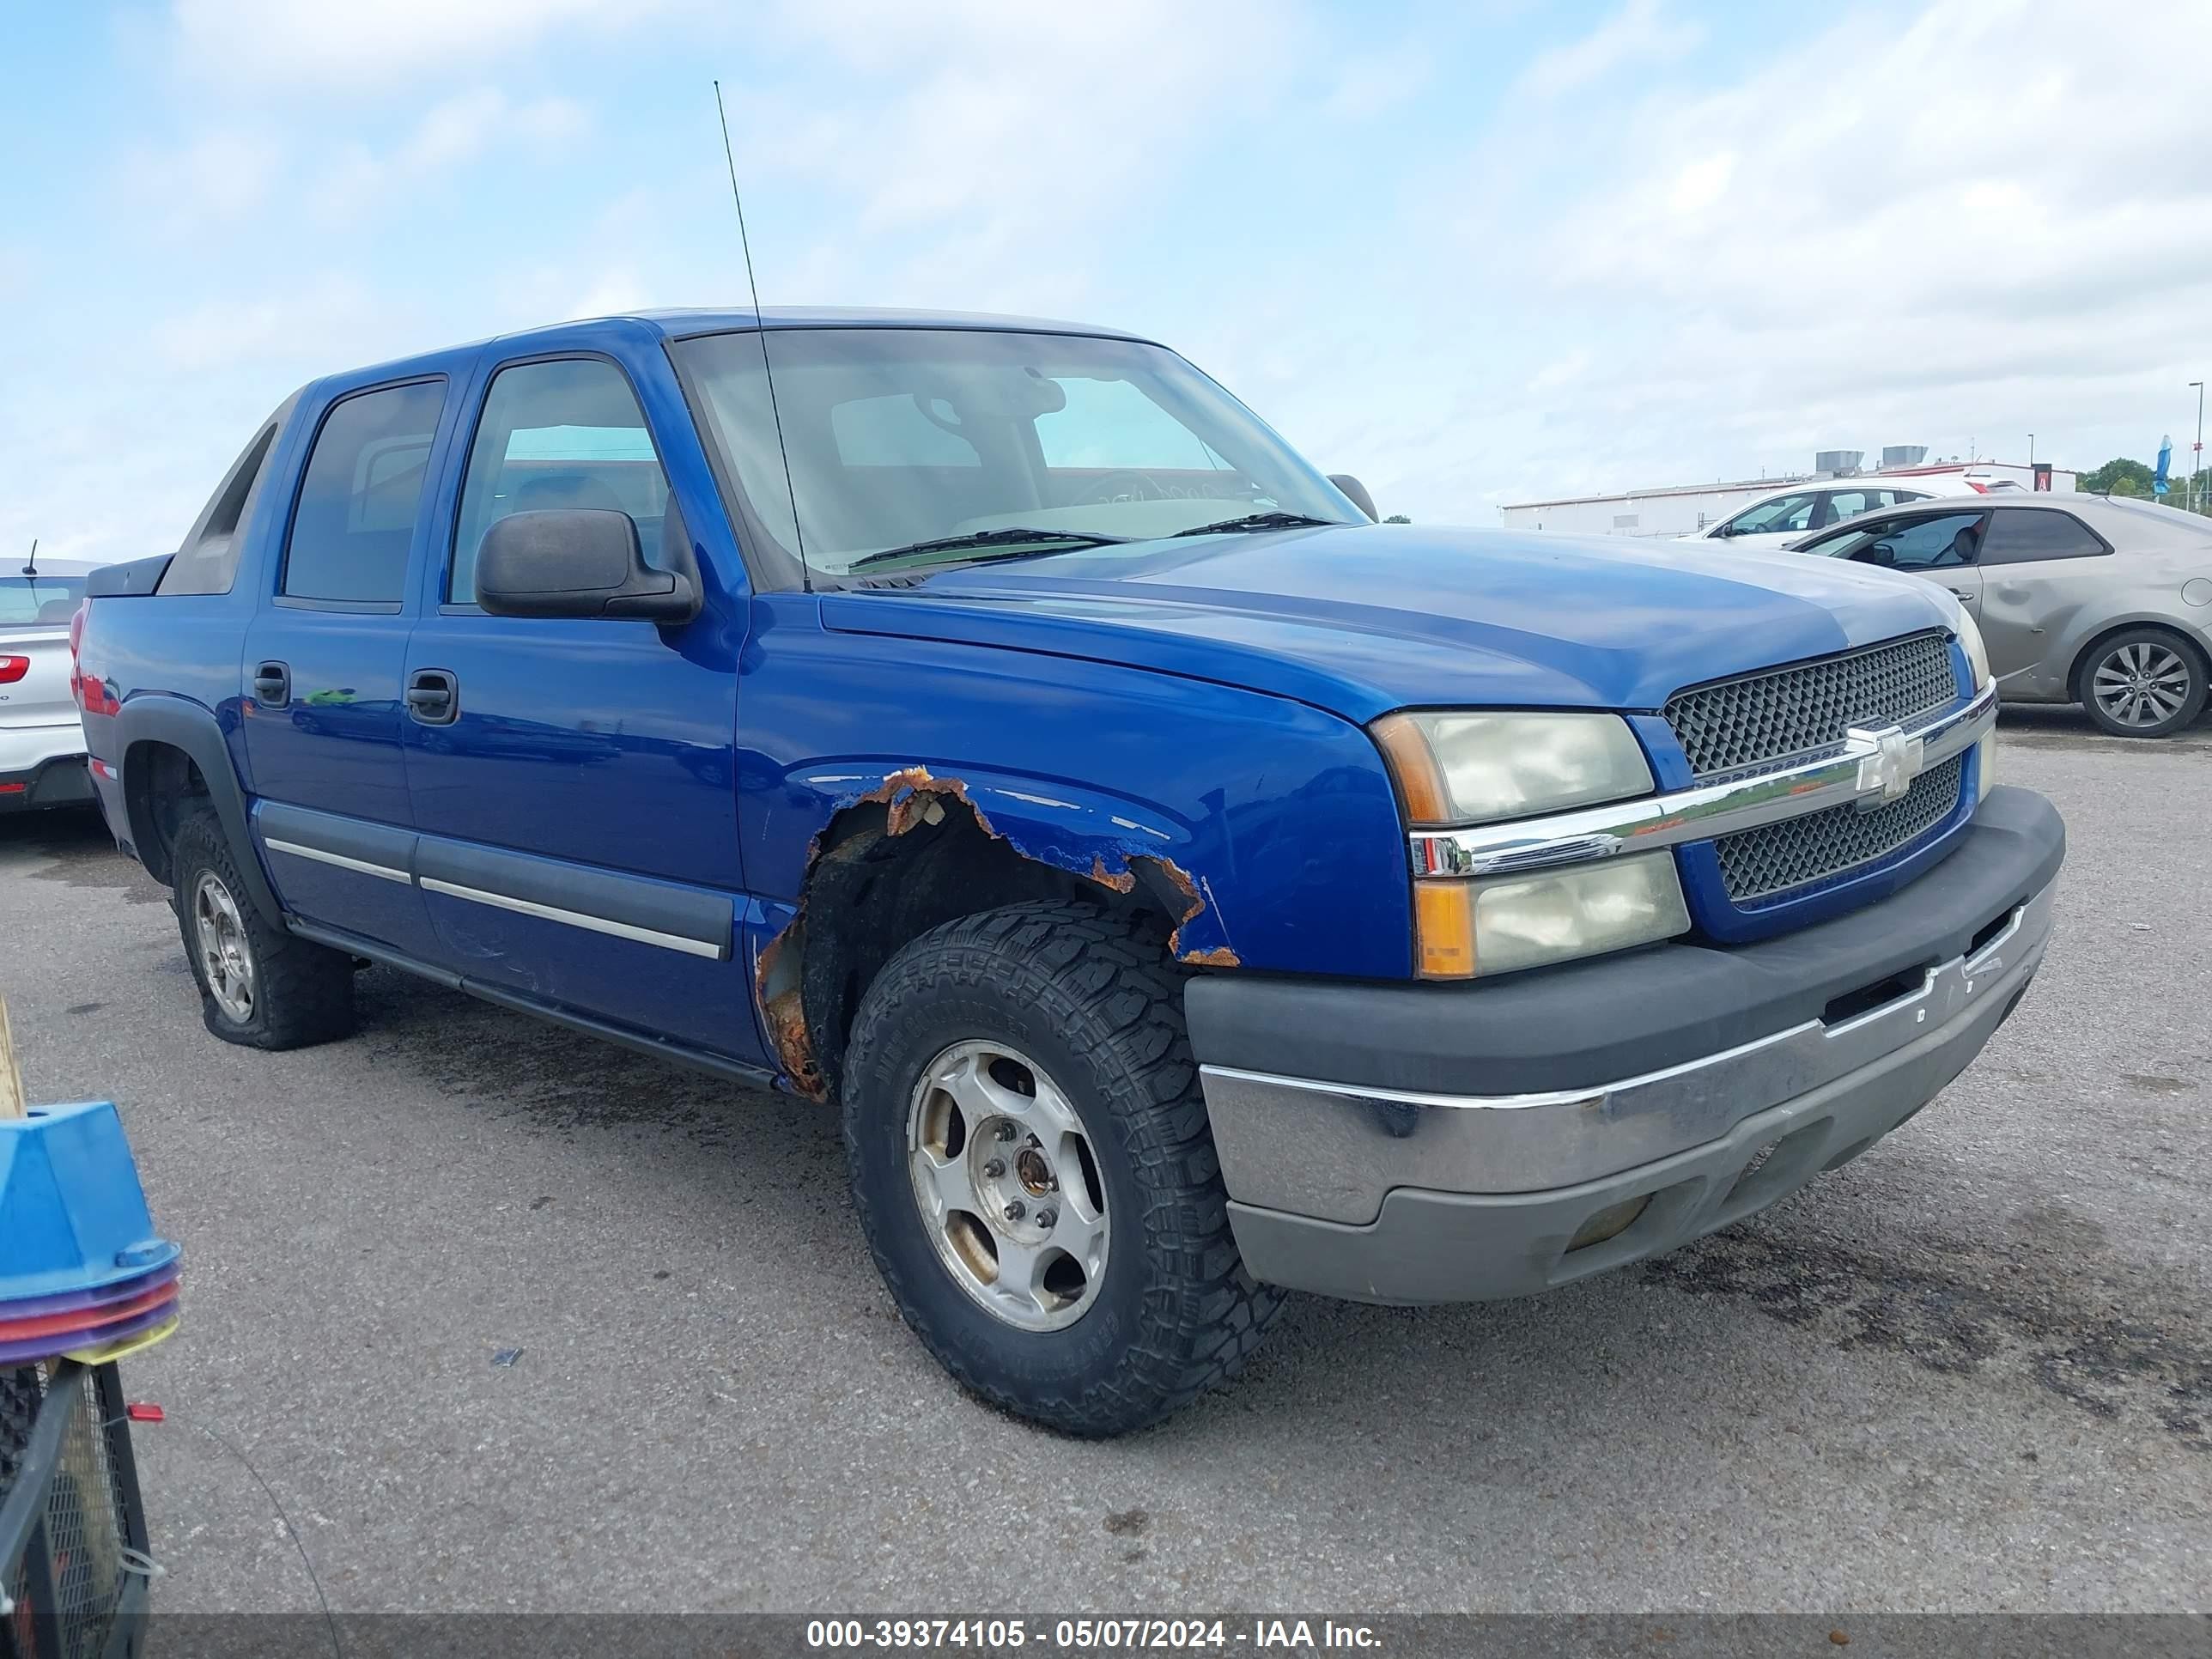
1033,1168
259,986
2146,683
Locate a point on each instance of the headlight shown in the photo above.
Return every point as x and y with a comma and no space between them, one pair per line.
1475,769
1978,656
1471,767
1499,926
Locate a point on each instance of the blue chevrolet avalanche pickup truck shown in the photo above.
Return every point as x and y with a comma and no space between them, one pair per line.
1185,888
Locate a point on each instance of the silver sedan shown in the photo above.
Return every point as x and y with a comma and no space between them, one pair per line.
2081,599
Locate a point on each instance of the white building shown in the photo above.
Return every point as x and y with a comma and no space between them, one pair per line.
1684,509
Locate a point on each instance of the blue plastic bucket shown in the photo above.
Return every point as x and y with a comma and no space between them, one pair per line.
72,1214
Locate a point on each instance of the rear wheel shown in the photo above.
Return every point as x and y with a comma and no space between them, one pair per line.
259,986
1034,1170
2146,683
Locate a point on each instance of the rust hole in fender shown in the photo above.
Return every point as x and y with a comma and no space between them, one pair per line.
914,797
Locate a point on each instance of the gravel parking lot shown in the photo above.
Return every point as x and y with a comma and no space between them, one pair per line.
1972,1369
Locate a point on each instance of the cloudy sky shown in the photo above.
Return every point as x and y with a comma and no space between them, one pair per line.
1476,252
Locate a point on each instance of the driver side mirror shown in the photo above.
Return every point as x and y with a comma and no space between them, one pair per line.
576,562
1360,499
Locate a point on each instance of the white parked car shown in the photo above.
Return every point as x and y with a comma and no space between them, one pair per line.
41,743
1795,510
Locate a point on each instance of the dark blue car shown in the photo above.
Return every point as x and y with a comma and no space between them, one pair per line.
1185,887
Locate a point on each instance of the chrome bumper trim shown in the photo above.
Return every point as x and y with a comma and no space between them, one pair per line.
1861,769
1335,1150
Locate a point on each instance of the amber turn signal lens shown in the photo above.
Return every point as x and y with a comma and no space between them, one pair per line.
1414,763
1443,927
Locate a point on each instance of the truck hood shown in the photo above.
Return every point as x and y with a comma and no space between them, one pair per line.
1360,619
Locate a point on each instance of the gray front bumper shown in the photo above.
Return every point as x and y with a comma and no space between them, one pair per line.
1463,1246
1763,1066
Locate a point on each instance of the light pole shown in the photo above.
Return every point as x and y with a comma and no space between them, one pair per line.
2196,451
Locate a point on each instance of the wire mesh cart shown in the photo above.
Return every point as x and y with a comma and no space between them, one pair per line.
72,1525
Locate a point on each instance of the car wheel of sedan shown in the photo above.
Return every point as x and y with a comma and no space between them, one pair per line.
1033,1169
2146,683
259,986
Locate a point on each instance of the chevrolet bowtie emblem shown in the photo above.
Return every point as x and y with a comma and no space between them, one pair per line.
1888,763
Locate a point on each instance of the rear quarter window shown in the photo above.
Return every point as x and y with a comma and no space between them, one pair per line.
207,562
2027,535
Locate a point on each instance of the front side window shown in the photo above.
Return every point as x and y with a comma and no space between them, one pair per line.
562,434
900,436
1784,514
2021,535
355,518
1937,543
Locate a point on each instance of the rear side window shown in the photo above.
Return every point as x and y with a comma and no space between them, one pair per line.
208,560
363,487
564,433
2021,536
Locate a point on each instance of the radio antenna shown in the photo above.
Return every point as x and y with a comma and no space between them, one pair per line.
768,370
32,568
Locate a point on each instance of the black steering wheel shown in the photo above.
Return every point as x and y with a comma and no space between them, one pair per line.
1124,485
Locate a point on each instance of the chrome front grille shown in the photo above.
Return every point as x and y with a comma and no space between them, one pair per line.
1778,858
1761,718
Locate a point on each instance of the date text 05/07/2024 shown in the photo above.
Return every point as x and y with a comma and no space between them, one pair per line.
1090,1635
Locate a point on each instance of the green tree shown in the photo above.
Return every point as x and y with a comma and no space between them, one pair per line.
2122,477
1397,518
2118,477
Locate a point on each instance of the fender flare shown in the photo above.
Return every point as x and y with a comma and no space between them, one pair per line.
192,728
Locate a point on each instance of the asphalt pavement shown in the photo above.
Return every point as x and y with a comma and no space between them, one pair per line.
501,1317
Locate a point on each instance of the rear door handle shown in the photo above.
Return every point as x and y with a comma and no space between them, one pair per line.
433,697
272,684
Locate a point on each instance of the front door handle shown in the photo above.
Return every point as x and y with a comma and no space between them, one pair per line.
433,697
1966,593
272,684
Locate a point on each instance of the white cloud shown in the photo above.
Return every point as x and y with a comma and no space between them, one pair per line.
1374,81
978,132
290,45
1806,258
448,135
1702,182
611,293
1636,35
291,326
214,180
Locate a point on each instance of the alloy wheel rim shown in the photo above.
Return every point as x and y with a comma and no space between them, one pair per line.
1007,1185
2141,685
226,960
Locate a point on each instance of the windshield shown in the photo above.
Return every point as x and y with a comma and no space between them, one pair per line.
900,436
39,599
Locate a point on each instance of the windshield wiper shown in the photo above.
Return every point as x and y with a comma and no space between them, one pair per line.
1259,521
1011,536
